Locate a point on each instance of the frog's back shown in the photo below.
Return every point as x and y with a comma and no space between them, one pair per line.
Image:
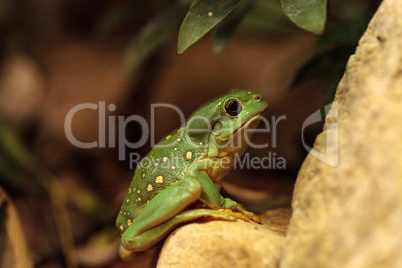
164,165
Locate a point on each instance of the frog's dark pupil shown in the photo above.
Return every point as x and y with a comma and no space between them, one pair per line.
233,107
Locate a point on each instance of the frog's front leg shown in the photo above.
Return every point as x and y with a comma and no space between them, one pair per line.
212,198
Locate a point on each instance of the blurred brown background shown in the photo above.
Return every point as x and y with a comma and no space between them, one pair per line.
52,60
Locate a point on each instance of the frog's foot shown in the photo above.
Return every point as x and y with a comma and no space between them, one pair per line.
237,215
232,205
251,216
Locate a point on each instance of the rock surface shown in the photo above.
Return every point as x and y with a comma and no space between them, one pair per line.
350,214
226,244
277,220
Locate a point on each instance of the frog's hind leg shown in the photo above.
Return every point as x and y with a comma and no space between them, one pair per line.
163,206
150,237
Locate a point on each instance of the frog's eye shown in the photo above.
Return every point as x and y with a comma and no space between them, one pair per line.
233,107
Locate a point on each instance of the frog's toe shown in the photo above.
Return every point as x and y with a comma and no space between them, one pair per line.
256,219
231,215
225,210
244,217
240,216
252,216
125,254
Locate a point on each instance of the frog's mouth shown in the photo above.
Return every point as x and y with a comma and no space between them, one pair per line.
247,123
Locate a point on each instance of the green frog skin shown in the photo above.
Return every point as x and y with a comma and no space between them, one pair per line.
180,179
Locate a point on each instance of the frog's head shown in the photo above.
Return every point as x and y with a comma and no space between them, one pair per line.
226,122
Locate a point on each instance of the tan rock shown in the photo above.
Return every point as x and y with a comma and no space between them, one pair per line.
221,244
350,215
277,220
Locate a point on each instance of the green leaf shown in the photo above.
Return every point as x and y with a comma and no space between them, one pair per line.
153,36
226,28
325,64
201,18
266,16
18,167
329,65
309,15
12,176
112,20
12,148
328,94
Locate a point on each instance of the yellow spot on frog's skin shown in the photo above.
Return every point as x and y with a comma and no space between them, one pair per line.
178,139
210,14
121,212
156,164
165,159
143,175
175,149
249,92
157,159
219,103
173,167
128,200
150,188
134,189
147,201
145,163
136,199
200,143
129,190
168,137
139,199
178,131
121,227
125,213
129,222
138,191
159,179
189,155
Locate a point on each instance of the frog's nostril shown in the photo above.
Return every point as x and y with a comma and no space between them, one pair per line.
257,98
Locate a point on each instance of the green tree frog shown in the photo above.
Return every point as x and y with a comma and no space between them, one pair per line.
179,180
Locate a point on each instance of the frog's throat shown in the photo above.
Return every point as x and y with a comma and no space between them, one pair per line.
216,151
244,125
